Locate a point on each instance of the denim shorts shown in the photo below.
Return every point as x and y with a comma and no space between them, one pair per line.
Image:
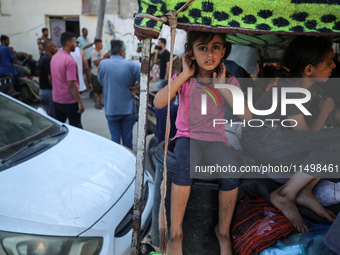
190,153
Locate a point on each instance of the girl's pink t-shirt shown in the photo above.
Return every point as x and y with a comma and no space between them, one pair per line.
191,122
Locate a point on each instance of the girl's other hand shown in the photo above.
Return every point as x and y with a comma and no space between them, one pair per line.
327,104
221,74
188,65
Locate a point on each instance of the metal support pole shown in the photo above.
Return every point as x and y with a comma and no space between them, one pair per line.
141,135
100,21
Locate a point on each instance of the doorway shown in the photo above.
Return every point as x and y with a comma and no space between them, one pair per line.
59,25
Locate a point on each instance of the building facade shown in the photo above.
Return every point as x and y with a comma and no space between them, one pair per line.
22,21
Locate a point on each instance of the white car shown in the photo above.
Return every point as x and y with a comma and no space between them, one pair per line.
64,191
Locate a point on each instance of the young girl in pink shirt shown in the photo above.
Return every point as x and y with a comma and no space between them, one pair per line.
197,137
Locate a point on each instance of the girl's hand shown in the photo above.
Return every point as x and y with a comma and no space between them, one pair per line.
327,104
188,65
222,72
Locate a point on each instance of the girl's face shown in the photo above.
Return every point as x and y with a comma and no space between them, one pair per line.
208,55
323,70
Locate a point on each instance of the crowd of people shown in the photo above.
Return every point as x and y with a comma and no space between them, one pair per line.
65,73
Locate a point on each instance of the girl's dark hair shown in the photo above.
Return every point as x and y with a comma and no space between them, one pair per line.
193,36
302,51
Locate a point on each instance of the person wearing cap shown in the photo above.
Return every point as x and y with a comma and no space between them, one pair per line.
139,50
136,55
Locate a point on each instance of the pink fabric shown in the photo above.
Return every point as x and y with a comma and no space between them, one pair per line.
63,69
190,122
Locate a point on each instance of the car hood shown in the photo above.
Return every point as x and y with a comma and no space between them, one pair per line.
69,186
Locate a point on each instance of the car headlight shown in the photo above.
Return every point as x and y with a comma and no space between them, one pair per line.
24,244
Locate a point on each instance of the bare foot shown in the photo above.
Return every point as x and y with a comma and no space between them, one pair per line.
289,209
174,245
224,240
307,199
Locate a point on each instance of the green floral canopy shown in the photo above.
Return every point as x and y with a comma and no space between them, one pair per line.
256,23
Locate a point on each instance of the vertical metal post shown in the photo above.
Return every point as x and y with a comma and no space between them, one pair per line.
141,135
119,7
100,21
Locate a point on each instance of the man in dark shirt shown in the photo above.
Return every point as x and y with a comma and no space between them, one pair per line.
45,80
164,58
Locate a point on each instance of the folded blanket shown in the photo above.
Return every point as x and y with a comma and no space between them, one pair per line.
246,20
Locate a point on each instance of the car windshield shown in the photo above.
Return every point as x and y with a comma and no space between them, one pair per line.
20,125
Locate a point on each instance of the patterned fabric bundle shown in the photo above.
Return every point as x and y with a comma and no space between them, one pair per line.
257,225
255,23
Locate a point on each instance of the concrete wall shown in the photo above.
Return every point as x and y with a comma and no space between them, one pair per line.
22,20
123,8
122,29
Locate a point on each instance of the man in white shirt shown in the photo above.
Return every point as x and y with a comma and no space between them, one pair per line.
83,68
